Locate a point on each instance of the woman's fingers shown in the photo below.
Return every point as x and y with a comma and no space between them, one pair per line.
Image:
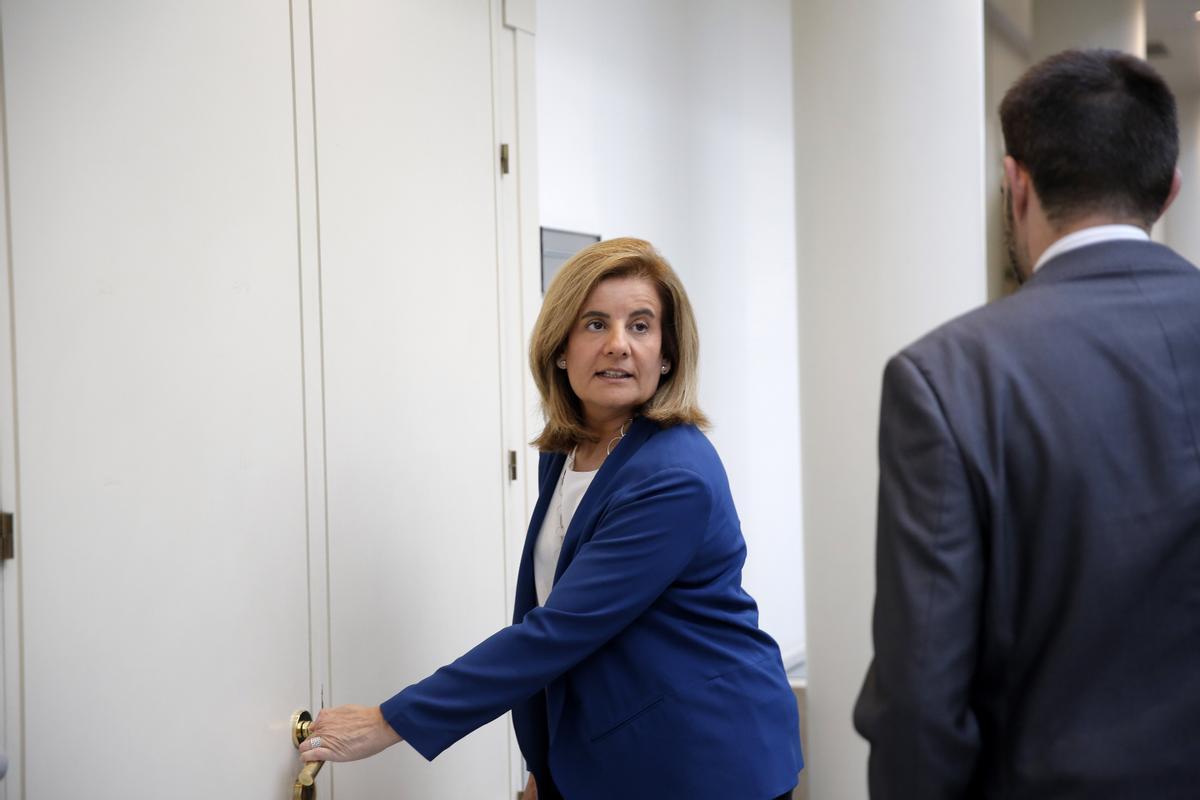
347,733
321,746
319,754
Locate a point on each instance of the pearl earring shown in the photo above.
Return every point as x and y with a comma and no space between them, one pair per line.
665,369
562,363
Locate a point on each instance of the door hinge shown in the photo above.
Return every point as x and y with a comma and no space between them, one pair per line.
503,159
512,465
6,536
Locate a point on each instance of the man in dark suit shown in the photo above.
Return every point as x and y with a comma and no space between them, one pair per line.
1037,618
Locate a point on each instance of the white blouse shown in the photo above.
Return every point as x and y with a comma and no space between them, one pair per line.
564,502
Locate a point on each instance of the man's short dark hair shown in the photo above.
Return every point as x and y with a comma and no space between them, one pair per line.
1097,131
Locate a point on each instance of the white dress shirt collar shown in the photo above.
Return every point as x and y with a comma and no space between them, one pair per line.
1093,235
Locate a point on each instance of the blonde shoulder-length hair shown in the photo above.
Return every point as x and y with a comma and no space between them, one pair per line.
674,402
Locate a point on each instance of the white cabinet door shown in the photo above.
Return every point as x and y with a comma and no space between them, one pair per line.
407,161
258,450
160,449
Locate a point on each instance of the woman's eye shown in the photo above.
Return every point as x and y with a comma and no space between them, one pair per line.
594,325
641,327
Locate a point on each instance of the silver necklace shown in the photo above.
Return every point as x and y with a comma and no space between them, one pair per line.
620,435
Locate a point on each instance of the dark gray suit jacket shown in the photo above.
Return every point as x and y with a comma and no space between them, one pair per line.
1037,618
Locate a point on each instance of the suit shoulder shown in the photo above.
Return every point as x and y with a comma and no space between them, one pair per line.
1075,285
983,336
683,447
971,324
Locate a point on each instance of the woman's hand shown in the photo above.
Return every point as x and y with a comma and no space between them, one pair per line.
347,733
530,792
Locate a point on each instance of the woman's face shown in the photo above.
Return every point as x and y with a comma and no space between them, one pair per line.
614,350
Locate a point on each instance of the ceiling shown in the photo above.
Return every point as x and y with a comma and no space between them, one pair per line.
1173,23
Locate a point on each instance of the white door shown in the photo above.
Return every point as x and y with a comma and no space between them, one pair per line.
258,460
408,167
159,446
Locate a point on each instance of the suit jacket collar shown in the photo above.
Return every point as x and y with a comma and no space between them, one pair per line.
1104,258
1094,234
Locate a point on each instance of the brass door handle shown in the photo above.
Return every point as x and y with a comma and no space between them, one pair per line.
304,788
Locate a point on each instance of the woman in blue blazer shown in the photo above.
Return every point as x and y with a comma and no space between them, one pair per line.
634,666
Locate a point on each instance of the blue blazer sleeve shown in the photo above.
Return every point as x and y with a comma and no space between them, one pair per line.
644,539
915,707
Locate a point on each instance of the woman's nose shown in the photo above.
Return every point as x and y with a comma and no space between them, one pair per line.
617,343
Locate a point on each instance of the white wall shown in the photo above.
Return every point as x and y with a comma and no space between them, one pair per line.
1182,221
1062,24
890,137
672,121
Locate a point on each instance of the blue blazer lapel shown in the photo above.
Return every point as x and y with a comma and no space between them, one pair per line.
639,430
582,524
536,720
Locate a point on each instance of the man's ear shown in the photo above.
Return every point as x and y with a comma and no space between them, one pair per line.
1019,186
1176,185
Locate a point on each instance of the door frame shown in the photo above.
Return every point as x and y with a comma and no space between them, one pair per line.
11,676
519,282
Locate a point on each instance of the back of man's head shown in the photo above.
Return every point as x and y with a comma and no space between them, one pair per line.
1097,131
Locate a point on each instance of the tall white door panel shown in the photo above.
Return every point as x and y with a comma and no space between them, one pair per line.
160,447
407,166
257,459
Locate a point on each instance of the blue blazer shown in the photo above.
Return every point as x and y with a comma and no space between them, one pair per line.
645,675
